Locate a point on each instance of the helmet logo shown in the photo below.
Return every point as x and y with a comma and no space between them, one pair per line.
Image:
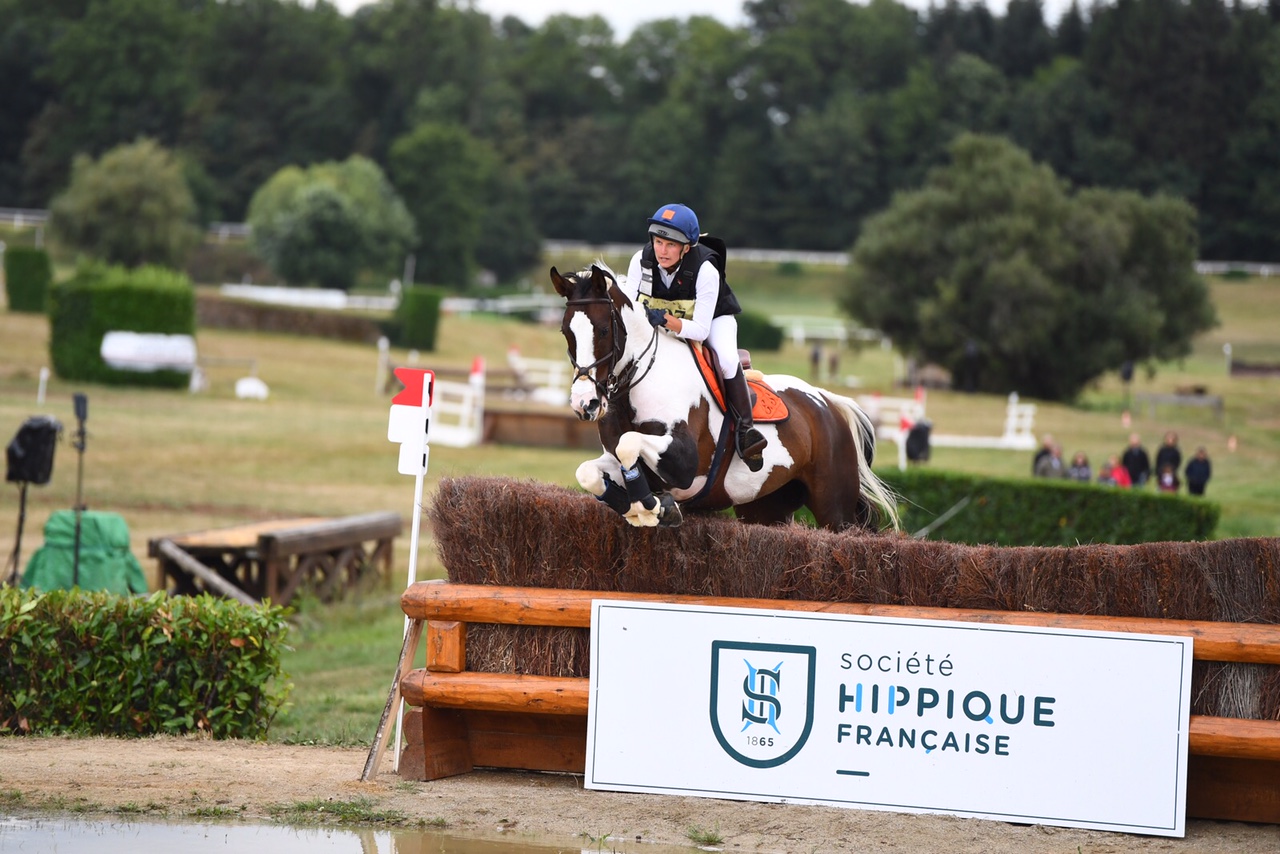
669,214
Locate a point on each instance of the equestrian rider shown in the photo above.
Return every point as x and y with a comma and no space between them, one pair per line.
676,279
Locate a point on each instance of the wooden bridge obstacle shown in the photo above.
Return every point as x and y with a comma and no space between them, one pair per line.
276,559
459,719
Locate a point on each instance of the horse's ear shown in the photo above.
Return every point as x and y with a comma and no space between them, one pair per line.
599,279
561,284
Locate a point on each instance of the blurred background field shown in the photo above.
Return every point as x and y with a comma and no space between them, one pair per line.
173,462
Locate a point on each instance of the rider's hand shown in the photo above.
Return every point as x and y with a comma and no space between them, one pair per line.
657,316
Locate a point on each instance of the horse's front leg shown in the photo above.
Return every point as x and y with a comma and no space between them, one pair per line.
667,455
602,477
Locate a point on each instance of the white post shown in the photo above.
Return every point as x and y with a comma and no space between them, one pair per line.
410,425
44,384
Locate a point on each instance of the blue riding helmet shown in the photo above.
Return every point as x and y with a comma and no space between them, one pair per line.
675,222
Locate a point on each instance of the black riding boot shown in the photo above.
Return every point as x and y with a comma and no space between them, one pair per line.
749,442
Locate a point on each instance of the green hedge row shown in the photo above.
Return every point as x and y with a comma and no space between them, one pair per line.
756,332
99,299
1043,512
417,318
27,276
95,663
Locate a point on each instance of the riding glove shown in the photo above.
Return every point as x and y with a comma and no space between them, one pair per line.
657,316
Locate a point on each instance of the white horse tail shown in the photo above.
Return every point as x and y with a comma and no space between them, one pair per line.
864,439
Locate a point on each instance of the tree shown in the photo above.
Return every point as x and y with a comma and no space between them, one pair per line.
289,217
440,169
130,207
119,72
1053,289
272,91
319,240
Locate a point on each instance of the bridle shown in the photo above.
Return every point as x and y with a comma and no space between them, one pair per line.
616,381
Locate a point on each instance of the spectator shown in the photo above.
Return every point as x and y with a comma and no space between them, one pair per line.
1169,454
1051,464
1198,471
1079,469
1114,474
1167,479
1136,462
1046,444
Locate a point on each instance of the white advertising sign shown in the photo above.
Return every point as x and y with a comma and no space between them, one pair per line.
1022,724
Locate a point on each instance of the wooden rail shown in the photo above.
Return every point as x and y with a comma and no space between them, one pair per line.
535,606
462,719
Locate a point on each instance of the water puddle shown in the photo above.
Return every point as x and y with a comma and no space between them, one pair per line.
81,836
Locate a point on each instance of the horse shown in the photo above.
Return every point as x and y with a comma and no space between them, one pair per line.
659,421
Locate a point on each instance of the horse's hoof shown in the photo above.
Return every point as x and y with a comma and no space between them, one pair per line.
670,515
642,517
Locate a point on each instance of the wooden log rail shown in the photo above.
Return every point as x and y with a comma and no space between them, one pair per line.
1234,773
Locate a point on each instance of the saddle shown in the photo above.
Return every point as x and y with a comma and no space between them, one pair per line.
767,407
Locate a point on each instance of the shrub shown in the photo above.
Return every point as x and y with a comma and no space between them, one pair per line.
325,223
1046,512
27,275
756,332
417,318
95,663
132,206
99,299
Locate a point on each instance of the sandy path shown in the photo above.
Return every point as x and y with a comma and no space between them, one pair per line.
178,777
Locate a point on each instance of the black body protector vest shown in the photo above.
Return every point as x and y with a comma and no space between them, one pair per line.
681,296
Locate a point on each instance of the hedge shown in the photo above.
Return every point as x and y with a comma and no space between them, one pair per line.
1041,512
756,332
27,276
99,299
100,664
417,318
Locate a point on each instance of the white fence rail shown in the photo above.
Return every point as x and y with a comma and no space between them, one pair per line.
457,412
895,416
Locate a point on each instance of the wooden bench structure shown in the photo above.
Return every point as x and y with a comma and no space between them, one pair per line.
1153,399
274,560
461,719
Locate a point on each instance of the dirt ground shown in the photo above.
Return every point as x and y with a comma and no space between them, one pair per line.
178,778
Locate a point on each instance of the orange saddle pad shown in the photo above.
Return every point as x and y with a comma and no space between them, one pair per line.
768,406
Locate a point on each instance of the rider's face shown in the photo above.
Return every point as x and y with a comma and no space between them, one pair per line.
668,252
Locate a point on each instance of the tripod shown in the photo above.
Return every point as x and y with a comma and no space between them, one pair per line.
29,459
82,415
16,558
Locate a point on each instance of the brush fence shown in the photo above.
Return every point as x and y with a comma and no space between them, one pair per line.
460,719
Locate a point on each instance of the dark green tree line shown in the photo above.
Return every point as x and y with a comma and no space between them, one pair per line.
790,131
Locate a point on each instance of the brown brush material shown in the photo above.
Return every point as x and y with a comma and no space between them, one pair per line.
523,533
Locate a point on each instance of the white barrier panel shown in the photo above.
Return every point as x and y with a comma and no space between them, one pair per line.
457,413
1023,724
148,351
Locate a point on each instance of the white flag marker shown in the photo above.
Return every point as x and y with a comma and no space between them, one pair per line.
409,425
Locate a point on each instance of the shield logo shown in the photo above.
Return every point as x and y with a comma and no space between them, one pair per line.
762,700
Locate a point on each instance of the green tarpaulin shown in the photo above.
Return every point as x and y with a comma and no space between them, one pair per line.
105,560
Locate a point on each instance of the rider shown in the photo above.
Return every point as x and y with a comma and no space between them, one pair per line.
680,287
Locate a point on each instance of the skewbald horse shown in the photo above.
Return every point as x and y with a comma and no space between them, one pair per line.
659,424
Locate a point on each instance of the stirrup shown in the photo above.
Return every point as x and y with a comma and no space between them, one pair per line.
750,446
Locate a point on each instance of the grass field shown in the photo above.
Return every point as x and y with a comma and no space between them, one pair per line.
171,462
